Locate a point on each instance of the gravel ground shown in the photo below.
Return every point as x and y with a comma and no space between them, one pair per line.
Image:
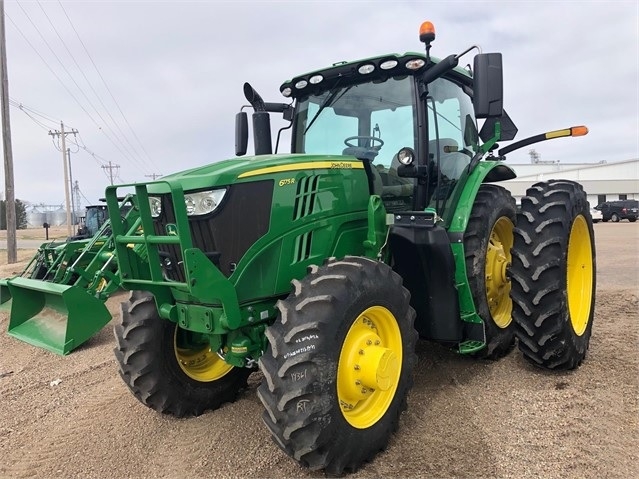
466,418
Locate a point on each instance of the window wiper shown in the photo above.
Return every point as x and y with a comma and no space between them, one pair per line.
330,99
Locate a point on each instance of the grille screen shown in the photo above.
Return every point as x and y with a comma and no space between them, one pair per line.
227,233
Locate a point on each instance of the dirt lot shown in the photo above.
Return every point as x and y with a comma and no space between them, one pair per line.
466,418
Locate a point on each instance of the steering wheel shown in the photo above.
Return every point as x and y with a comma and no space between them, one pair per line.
371,139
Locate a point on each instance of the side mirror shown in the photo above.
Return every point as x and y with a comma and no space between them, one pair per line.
241,133
488,85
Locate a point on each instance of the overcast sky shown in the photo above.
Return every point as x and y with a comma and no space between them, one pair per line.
176,71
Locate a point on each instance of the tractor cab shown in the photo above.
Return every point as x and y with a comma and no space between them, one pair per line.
376,109
411,119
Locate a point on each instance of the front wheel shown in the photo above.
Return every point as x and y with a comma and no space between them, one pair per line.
167,368
339,364
553,275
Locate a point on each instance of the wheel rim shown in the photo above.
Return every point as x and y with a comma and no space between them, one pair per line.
199,363
498,259
579,276
369,367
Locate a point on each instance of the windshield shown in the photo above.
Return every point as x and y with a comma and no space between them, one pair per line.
383,110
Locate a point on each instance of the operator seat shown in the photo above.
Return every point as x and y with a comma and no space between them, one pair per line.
451,161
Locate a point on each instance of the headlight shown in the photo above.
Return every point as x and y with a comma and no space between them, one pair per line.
203,202
200,203
406,156
156,206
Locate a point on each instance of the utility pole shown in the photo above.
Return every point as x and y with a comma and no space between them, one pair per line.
12,246
71,187
63,135
153,176
110,167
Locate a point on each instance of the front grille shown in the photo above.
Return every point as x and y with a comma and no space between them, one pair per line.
223,235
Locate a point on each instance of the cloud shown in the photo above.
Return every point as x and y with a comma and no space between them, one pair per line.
177,69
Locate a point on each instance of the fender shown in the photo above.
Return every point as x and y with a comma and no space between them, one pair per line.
485,171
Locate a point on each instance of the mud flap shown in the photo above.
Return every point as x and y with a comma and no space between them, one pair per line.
52,316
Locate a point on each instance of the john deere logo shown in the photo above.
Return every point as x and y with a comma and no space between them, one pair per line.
171,229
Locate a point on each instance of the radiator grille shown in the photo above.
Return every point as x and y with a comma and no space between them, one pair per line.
224,235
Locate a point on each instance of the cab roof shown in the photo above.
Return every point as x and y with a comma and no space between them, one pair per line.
369,69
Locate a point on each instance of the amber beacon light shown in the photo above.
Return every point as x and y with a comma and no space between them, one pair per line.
427,32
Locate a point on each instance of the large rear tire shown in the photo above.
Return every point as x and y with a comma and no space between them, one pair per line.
339,364
487,243
553,275
164,369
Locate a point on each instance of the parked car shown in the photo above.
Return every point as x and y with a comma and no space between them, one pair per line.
596,214
619,210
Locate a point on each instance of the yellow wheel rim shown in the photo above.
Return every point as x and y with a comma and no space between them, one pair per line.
369,367
498,259
200,364
579,276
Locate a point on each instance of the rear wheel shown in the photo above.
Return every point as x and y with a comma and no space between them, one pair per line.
487,243
553,275
165,367
339,364
614,218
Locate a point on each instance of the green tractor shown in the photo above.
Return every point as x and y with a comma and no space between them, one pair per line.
94,217
57,301
323,267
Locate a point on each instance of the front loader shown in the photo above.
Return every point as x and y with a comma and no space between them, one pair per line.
322,267
57,302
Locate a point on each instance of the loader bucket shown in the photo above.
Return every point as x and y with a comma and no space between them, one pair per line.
53,316
5,296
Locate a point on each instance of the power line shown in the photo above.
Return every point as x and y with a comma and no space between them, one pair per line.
104,82
47,65
26,112
115,123
125,155
22,106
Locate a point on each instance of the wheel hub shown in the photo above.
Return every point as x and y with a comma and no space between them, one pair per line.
369,367
199,363
497,278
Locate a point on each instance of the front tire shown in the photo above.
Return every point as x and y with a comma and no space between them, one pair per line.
487,243
554,275
339,364
165,369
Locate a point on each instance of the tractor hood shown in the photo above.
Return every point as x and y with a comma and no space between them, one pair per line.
246,169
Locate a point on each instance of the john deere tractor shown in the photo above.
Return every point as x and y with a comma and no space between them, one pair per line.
321,268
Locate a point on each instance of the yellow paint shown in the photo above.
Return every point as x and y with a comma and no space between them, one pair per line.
308,165
557,134
369,368
498,258
202,364
579,275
